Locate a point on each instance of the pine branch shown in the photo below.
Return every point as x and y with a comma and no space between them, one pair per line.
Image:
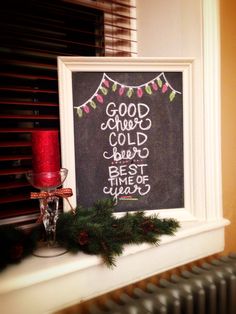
94,230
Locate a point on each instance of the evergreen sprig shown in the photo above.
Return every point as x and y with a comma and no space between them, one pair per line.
95,230
15,244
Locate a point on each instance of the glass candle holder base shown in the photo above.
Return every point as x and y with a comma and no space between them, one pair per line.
47,183
44,250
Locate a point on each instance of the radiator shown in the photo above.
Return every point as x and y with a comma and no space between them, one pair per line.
206,289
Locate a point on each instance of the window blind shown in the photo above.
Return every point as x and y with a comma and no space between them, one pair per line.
119,25
33,34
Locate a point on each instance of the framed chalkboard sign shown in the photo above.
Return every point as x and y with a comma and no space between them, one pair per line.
124,124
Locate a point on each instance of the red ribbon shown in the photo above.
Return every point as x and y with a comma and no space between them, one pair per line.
64,193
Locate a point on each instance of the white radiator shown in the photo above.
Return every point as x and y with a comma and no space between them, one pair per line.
206,289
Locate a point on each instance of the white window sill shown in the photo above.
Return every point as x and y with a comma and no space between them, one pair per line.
45,285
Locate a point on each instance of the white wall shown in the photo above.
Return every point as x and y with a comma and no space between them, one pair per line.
169,28
174,29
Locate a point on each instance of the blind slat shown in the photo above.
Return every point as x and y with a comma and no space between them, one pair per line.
105,5
15,157
29,117
10,217
13,185
15,198
15,144
30,104
21,130
31,64
28,90
27,77
4,172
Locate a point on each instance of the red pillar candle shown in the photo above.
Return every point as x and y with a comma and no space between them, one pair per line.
46,157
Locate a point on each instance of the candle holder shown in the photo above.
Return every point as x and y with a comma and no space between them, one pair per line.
47,183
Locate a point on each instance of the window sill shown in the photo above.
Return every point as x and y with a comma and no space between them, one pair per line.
40,285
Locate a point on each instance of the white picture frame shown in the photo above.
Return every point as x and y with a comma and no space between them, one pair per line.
69,65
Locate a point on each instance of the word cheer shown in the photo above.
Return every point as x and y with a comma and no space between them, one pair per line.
127,127
136,119
135,116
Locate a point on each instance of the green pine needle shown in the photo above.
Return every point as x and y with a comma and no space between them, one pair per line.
94,230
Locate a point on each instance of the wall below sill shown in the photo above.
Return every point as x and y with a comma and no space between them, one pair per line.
46,285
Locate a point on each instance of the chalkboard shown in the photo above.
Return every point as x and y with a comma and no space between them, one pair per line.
128,133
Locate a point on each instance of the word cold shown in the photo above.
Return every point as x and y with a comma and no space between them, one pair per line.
137,138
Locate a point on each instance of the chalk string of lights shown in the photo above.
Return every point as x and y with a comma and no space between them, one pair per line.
159,83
